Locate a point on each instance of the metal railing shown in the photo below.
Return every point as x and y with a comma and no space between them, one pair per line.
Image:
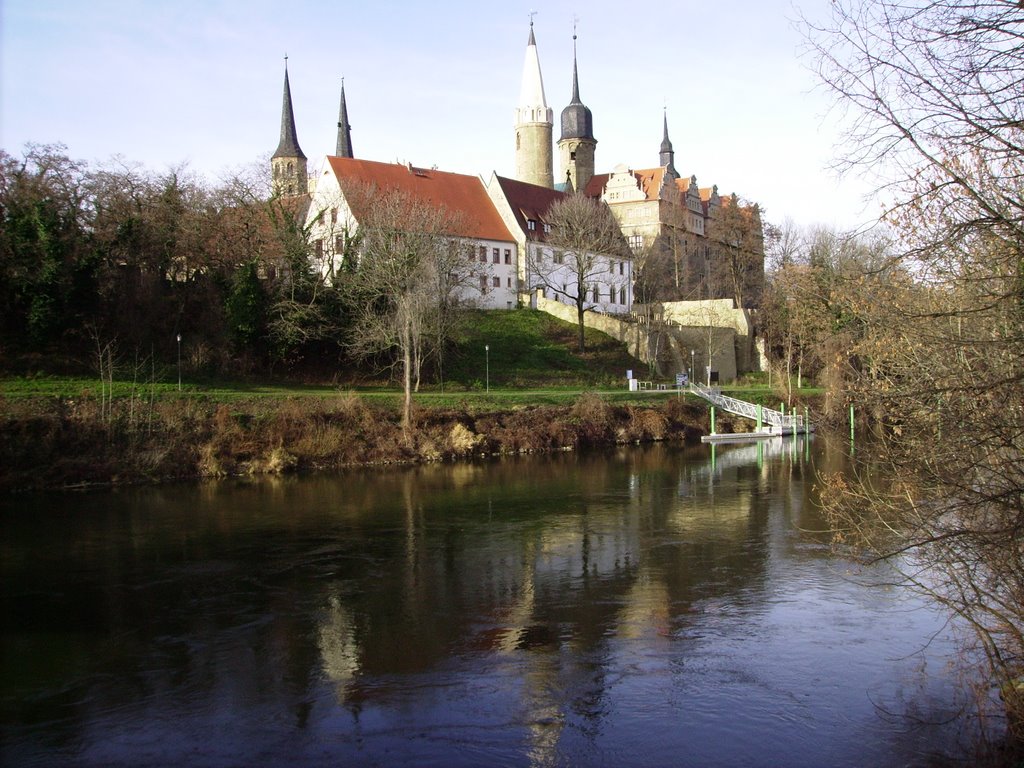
748,410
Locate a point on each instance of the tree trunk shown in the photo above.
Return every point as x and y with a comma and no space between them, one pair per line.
579,317
406,380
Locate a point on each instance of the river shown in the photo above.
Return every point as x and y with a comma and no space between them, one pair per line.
648,606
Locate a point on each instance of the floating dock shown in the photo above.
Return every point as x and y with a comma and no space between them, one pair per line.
770,423
747,437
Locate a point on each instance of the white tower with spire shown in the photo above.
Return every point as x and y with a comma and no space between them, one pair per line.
534,122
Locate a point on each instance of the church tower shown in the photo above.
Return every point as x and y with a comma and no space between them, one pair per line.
288,164
577,144
534,123
667,156
344,148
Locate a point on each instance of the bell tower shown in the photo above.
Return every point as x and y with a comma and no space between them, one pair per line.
288,164
577,143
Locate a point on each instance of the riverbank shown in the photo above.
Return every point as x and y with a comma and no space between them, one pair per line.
74,443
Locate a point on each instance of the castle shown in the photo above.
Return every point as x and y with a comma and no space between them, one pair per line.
688,237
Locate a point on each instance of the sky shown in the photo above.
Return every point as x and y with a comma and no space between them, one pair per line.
198,82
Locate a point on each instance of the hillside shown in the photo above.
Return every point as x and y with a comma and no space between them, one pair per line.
529,348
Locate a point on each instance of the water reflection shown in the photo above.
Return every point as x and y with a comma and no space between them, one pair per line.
649,605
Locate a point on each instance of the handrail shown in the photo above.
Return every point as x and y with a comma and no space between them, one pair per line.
747,410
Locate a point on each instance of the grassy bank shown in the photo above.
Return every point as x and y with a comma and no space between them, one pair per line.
55,442
514,382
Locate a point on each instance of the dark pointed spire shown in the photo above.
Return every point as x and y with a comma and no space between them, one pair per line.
575,74
344,129
667,156
289,144
577,120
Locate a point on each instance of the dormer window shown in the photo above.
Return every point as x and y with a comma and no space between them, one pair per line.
547,227
531,224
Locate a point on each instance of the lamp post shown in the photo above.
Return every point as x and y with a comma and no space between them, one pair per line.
692,369
487,369
179,362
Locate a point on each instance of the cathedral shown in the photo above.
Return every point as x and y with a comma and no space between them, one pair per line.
693,243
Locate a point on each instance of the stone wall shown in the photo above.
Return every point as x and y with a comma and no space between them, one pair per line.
715,331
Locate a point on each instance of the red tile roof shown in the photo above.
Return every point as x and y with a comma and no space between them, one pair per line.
529,202
460,194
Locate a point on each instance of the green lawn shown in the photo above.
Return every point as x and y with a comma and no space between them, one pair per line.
500,359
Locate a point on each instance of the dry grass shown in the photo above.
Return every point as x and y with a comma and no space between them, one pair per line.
57,442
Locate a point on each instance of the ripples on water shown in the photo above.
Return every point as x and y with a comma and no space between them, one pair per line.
641,607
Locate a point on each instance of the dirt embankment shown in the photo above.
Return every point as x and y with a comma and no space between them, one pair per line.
67,443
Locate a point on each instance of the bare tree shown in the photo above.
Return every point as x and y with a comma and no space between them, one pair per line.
585,237
407,285
739,249
712,323
933,90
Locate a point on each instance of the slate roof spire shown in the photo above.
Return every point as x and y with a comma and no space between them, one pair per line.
289,144
667,155
577,119
344,148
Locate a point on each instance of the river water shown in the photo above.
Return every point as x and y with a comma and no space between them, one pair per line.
645,606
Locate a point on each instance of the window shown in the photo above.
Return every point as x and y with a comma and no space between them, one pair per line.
622,295
496,282
622,267
483,283
636,242
558,257
508,255
334,215
611,267
547,227
483,253
531,224
509,282
339,243
597,294
318,246
495,254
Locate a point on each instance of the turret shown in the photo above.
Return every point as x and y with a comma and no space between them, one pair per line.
667,155
577,143
288,163
534,122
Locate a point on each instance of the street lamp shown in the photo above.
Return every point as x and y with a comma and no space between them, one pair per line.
179,362
487,374
692,369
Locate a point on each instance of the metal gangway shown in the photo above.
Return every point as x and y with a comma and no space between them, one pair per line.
777,422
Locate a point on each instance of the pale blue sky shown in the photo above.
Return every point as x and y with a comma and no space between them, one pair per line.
163,82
